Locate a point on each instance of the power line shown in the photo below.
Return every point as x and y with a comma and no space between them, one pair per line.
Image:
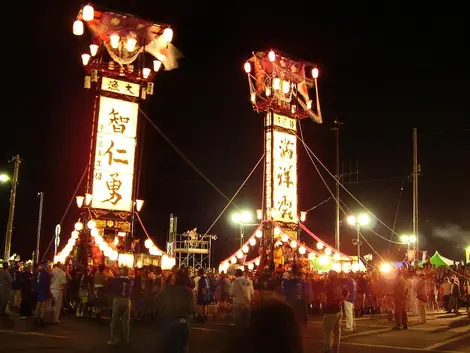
443,132
375,180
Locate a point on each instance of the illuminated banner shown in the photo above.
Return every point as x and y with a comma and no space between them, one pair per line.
121,87
113,174
284,122
284,176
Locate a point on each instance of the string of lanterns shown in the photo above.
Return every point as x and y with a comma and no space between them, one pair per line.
153,250
97,235
282,238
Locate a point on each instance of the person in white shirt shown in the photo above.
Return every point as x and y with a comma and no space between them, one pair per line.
58,282
446,292
241,291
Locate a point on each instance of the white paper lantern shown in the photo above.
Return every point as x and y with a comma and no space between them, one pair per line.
148,243
78,226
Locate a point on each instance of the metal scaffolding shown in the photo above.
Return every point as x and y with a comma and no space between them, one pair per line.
193,252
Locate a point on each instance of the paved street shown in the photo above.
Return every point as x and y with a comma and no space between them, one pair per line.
442,333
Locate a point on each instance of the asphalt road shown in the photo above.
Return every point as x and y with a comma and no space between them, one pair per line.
442,333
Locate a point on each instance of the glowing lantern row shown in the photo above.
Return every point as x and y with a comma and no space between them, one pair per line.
167,262
131,42
157,65
65,253
224,266
247,67
153,250
126,260
88,14
109,252
336,266
323,260
271,56
78,226
148,243
91,224
278,84
93,49
284,239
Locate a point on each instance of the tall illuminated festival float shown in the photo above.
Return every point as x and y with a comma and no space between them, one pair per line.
281,90
123,56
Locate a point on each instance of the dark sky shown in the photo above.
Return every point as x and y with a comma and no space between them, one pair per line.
381,73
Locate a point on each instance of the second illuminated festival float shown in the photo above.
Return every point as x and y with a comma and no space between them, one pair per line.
284,91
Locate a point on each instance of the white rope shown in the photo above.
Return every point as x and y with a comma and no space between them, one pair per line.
309,152
345,189
234,195
181,154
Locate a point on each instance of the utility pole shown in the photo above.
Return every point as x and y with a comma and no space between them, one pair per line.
416,171
11,214
38,236
337,124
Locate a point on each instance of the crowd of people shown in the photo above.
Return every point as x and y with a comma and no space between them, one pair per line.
175,296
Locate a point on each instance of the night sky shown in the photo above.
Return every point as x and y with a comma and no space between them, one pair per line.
381,74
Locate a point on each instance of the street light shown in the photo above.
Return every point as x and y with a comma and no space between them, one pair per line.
357,222
242,218
408,240
4,178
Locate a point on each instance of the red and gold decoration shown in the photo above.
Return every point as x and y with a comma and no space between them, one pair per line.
122,57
